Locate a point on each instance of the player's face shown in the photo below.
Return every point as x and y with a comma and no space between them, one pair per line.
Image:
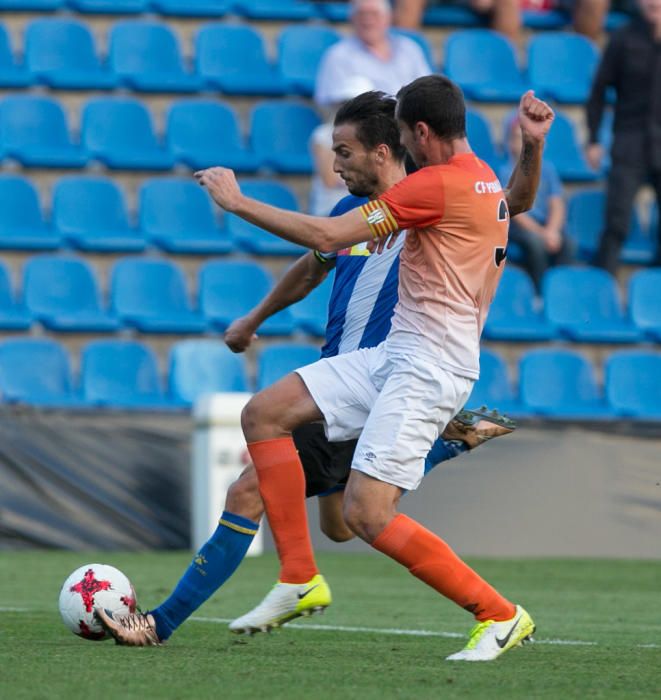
408,140
353,162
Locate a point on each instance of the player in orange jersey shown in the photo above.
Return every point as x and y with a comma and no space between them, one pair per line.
402,393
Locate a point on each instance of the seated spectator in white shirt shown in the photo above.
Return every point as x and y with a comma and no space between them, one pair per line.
386,59
327,186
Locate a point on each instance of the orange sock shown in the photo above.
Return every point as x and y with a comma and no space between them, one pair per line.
431,560
282,486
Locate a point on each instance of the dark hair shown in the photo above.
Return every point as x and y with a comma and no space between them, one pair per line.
373,114
436,101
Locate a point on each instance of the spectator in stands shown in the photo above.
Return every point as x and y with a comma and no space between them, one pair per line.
538,232
387,60
327,186
631,64
505,15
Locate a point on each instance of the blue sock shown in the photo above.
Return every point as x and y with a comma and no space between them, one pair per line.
211,567
442,450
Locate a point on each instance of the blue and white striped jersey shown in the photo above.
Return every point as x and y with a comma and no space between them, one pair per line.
364,293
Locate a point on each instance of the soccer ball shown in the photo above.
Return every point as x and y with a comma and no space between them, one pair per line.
90,586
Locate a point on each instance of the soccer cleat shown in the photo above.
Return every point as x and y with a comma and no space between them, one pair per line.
283,603
477,426
489,639
132,630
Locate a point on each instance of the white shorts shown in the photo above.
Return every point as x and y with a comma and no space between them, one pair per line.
398,405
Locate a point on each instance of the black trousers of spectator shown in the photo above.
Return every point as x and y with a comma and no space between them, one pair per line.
536,258
624,182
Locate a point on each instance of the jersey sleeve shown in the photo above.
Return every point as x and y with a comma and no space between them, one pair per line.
415,202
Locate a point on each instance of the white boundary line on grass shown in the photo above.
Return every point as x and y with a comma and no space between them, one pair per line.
396,631
375,630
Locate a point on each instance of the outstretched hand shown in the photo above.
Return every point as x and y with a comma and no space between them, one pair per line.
535,116
222,186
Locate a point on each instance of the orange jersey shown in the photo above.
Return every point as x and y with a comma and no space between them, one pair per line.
457,220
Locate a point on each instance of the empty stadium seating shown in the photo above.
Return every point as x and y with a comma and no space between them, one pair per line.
585,305
62,54
11,74
484,64
120,133
299,53
310,314
177,215
633,384
280,359
22,225
121,374
561,384
13,315
229,289
91,214
62,293
494,387
151,295
644,306
199,367
513,315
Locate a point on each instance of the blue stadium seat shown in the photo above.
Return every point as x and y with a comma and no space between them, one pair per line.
49,385
34,131
199,367
13,316
299,53
22,224
545,19
229,289
204,133
63,294
192,8
563,150
421,40
118,7
11,74
255,240
561,384
451,16
561,66
481,139
279,359
585,305
280,134
644,306
311,314
151,295
146,56
483,62
494,388
585,224
232,57
276,9
633,384
120,133
177,214
513,315
121,374
61,53
90,212
31,5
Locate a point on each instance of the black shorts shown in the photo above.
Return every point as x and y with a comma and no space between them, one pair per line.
326,464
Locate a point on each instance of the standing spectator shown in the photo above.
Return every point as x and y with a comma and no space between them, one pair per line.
387,60
327,186
632,65
539,231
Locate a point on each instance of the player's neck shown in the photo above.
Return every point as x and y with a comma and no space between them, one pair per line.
441,151
392,177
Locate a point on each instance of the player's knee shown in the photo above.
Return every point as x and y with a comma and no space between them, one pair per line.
243,497
365,518
337,532
252,417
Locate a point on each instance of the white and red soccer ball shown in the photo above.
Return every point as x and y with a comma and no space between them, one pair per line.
89,587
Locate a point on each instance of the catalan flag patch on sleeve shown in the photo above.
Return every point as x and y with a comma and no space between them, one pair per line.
379,218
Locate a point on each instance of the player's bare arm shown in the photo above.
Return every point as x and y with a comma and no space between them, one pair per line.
298,281
535,118
318,233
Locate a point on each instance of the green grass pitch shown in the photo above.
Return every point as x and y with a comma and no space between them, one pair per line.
599,635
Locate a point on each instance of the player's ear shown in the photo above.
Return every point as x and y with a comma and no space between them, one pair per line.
382,152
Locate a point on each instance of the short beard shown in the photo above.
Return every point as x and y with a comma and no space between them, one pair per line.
366,188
